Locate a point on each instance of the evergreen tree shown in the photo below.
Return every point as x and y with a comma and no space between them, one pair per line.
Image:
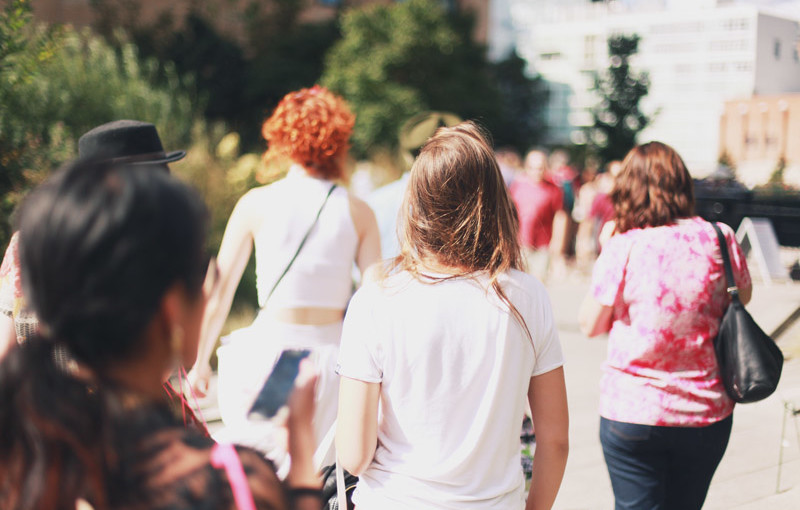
617,117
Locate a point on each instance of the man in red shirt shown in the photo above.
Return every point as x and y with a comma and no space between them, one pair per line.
539,204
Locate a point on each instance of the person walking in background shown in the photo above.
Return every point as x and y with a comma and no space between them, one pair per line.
452,338
659,291
17,322
510,164
113,265
125,141
593,209
307,232
565,229
539,204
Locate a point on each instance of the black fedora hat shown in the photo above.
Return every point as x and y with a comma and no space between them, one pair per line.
126,141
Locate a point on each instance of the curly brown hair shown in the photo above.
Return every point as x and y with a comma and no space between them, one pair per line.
312,127
653,188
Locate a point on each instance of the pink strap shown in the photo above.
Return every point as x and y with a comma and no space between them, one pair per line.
194,397
225,456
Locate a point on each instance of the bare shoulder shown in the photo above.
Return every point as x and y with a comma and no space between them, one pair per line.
248,214
359,206
363,216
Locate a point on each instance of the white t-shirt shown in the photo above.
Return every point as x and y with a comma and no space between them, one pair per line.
454,367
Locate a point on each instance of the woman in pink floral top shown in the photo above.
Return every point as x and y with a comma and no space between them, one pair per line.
659,291
17,323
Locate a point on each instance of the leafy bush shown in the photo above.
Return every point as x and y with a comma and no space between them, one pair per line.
57,83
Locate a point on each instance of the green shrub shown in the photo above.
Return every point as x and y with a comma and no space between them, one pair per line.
56,84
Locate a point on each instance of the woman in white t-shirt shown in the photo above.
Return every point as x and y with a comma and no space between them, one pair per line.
450,338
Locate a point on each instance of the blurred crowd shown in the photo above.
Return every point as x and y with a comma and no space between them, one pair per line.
427,361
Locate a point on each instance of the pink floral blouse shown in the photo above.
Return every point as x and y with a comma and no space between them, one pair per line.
12,302
667,286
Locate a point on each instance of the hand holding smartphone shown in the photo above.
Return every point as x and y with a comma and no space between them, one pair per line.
278,386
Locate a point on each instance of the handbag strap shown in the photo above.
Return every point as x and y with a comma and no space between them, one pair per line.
733,290
302,243
224,455
327,444
341,490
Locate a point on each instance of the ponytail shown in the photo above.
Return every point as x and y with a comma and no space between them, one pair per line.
53,431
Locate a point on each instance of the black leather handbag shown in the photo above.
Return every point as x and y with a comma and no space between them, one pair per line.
750,363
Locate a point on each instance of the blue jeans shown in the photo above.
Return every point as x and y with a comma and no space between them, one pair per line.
662,468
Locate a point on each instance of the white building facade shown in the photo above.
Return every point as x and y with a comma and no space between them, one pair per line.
698,54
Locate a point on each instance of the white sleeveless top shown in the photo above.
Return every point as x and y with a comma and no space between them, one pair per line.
321,276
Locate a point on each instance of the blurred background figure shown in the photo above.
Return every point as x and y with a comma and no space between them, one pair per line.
114,266
659,291
539,203
385,201
593,209
307,232
510,164
566,177
608,227
17,322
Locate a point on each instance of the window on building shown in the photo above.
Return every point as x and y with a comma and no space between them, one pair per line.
735,24
555,55
776,49
589,45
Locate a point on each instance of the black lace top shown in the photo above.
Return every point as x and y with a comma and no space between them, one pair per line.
170,468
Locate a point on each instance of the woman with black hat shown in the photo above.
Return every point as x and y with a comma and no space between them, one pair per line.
121,141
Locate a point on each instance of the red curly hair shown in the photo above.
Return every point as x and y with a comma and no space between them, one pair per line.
312,127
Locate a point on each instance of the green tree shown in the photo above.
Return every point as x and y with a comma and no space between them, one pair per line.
57,84
397,60
617,117
23,49
520,121
240,73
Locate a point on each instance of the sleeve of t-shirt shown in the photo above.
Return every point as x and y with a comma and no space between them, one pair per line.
547,346
609,271
359,351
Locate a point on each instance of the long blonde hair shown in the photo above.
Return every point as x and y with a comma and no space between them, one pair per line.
457,211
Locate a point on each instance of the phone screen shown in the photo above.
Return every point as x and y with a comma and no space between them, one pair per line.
279,384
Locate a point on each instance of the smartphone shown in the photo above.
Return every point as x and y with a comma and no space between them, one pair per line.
279,384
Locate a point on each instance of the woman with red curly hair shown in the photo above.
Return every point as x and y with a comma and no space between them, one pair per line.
307,232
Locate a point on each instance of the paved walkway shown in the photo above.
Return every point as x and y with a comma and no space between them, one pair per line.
747,476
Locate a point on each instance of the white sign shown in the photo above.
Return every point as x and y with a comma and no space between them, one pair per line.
758,235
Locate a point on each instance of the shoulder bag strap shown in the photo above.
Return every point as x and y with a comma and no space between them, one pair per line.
302,243
327,445
733,290
224,456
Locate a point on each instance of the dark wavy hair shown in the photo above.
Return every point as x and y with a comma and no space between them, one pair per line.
653,188
99,247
